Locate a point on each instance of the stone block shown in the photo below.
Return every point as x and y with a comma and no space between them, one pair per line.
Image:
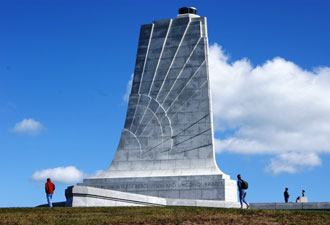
145,31
160,31
177,31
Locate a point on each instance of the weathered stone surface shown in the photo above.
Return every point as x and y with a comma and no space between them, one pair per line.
82,196
292,205
211,187
166,148
168,117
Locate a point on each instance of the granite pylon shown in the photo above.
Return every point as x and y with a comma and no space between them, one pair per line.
166,149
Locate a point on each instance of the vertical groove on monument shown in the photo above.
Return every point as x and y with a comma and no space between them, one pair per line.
166,147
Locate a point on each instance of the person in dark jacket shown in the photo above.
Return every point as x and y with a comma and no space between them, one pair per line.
286,195
242,191
49,188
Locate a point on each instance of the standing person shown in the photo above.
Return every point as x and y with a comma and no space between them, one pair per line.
242,186
49,188
286,195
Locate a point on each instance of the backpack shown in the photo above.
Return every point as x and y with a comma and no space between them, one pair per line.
245,184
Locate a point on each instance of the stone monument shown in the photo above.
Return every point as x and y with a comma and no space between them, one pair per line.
165,154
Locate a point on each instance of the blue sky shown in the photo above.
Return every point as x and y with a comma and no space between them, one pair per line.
65,66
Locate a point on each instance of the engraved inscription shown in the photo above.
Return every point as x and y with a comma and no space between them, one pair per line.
161,185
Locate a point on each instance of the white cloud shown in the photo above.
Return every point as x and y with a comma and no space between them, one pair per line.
293,162
65,175
28,126
128,88
275,108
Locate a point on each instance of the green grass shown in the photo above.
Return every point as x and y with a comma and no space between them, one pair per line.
159,215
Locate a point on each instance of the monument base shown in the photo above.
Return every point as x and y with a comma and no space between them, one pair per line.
82,196
200,187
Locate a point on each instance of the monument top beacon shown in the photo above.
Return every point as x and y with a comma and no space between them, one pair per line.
185,10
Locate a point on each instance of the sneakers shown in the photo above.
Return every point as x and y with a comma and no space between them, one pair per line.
247,206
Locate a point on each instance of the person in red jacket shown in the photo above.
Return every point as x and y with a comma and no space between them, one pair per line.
49,188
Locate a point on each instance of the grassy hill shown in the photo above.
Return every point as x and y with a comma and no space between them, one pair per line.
158,215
